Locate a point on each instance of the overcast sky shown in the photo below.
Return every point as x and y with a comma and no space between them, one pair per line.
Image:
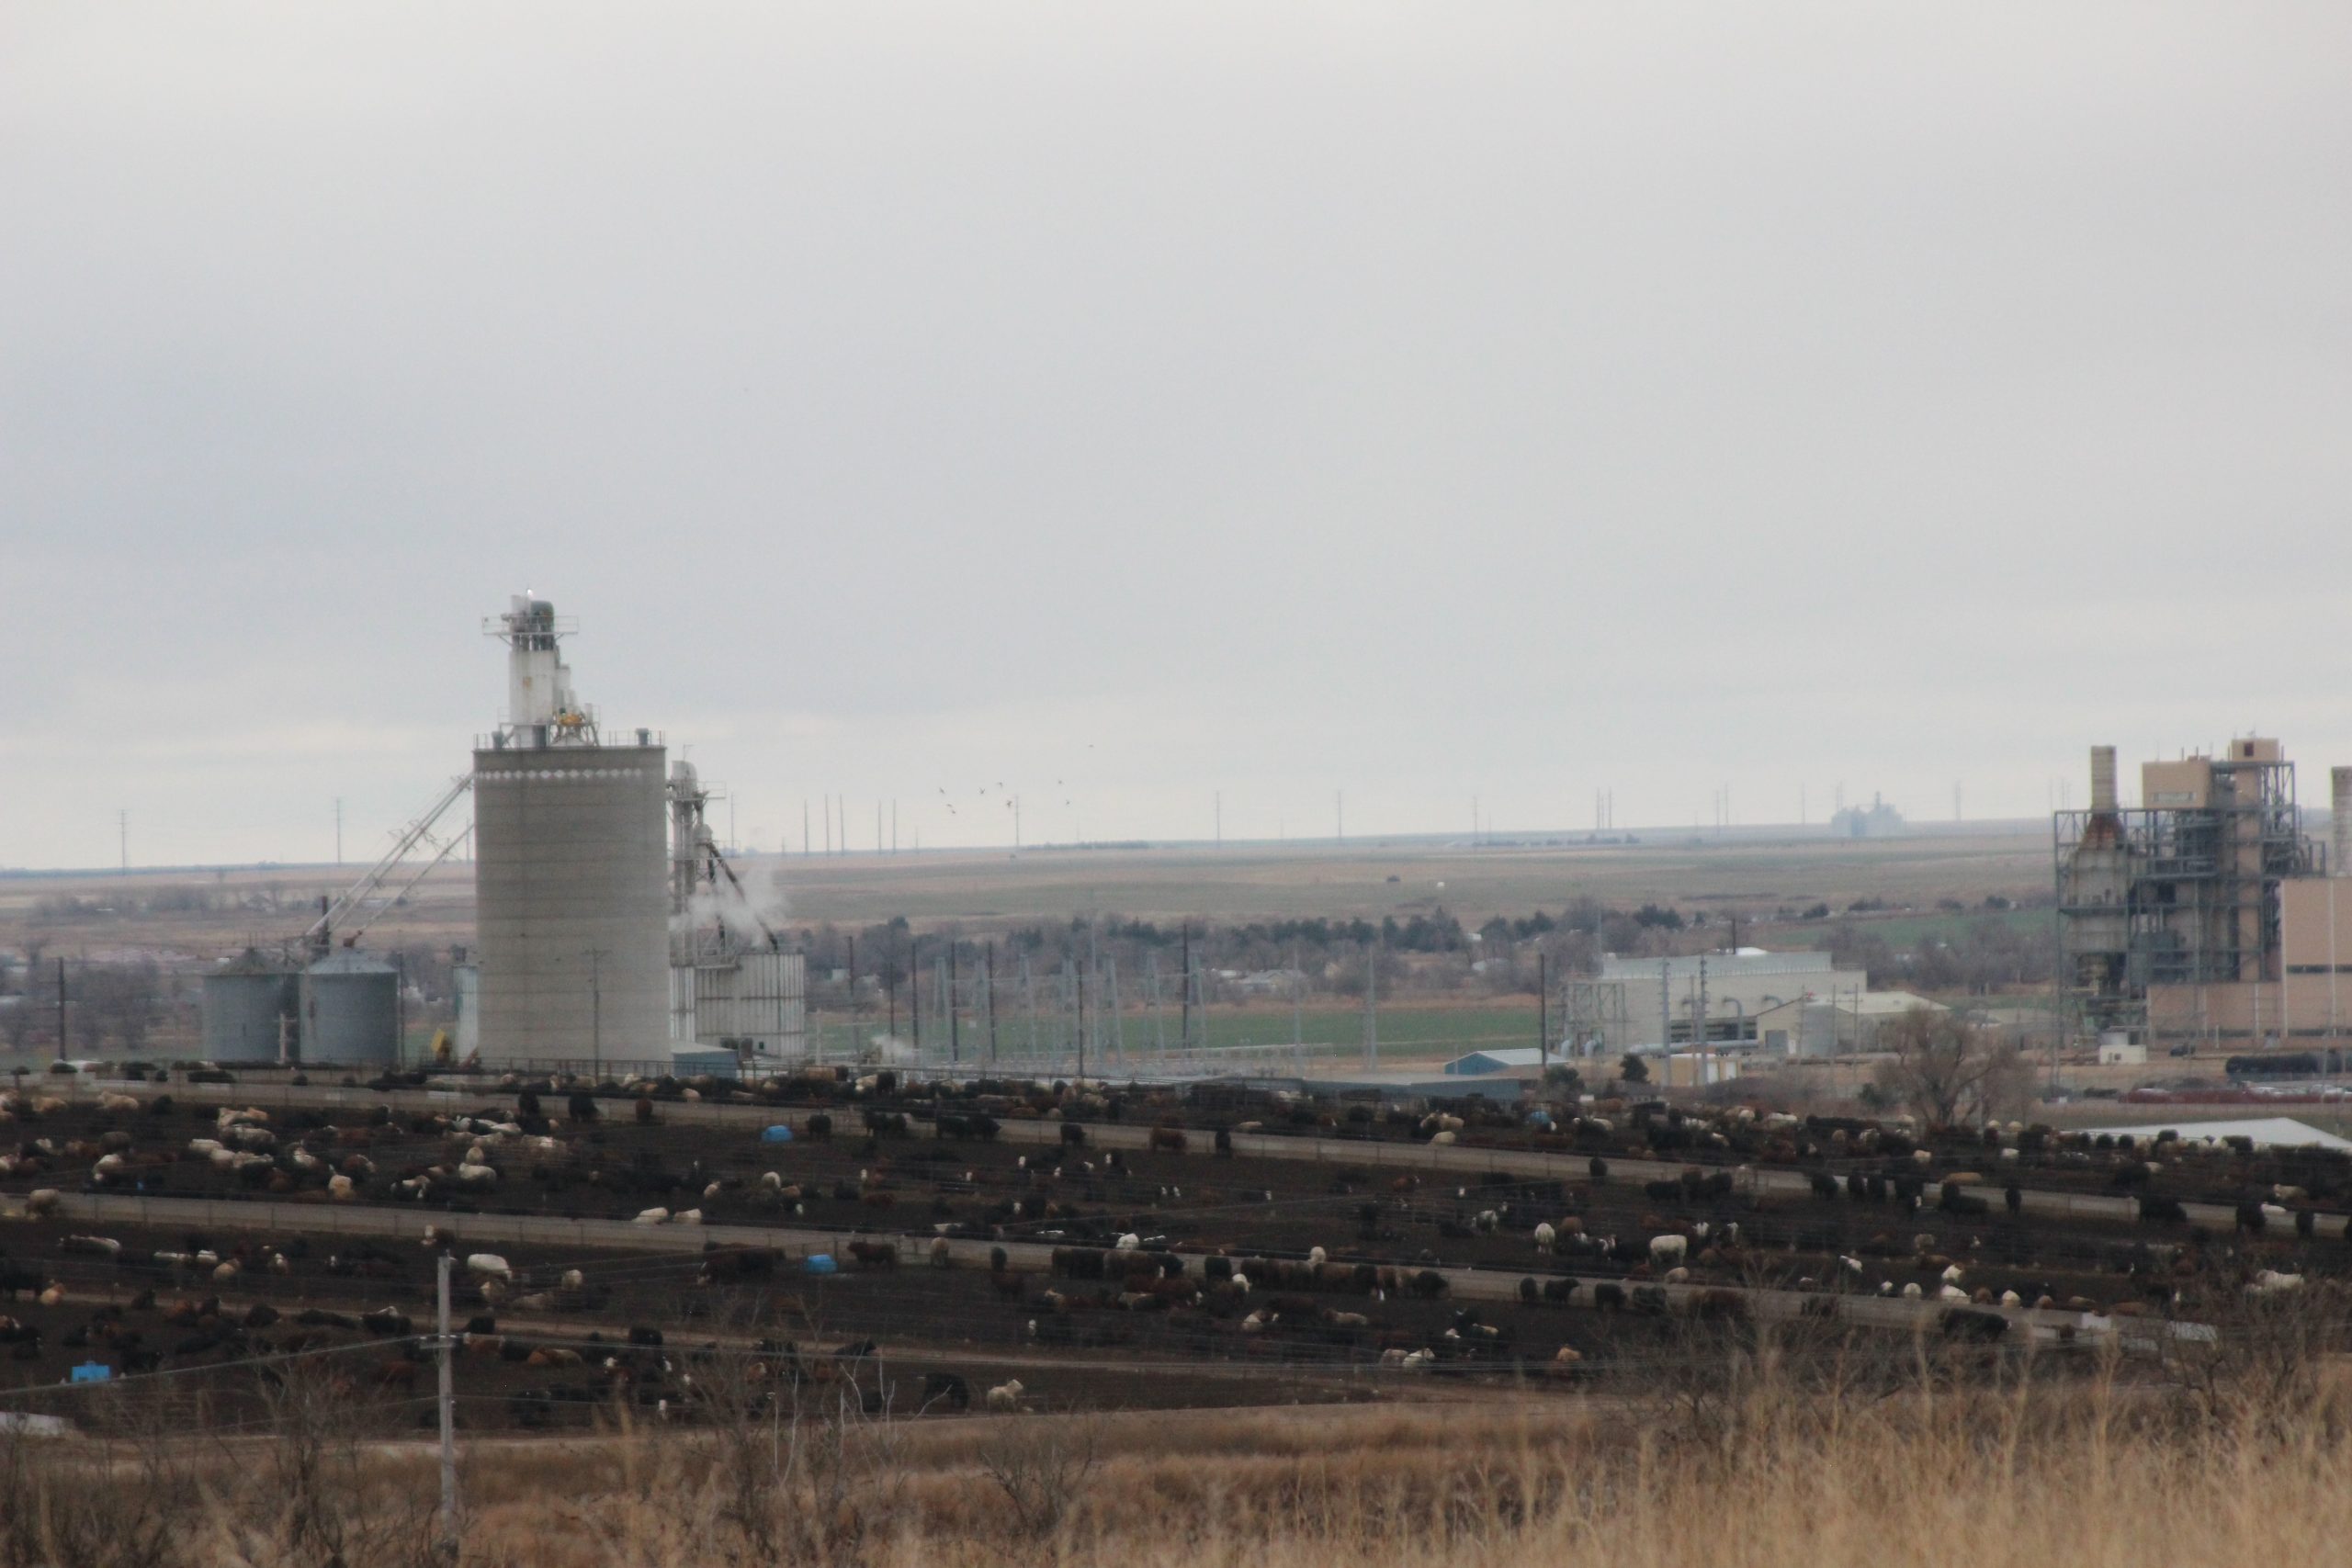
1129,402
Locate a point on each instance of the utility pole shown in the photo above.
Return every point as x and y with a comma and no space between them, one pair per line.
338,830
988,984
1029,1002
448,1402
1297,1000
1543,1009
805,850
1371,1013
1340,814
1094,963
1081,1027
1184,1032
914,993
596,957
955,1033
61,1010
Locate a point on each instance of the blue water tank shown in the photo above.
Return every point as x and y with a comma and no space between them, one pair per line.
820,1263
775,1134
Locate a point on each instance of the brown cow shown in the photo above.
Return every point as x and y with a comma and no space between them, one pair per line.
875,1254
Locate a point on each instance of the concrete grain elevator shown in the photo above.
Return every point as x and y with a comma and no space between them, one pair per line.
570,871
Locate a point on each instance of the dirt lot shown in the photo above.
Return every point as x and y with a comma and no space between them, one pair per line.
1077,1332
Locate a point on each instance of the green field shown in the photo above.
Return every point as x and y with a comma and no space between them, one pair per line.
1406,1031
1909,931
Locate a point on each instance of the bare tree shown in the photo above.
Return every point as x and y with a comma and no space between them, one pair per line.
1946,1070
1042,1466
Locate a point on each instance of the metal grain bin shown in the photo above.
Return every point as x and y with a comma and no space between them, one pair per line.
351,1011
243,1002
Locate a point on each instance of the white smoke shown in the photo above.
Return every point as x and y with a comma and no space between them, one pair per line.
889,1050
743,916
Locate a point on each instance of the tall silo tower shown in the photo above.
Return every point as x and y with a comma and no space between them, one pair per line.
571,870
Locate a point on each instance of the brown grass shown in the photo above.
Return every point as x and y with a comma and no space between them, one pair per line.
2016,1467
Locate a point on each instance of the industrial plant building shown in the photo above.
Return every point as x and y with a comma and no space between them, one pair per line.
1704,1000
611,934
2205,913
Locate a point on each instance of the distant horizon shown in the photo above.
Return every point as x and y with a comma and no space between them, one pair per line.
1501,838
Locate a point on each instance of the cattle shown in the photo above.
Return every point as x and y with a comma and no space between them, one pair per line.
1005,1396
1718,1306
875,1255
1168,1140
1668,1251
1956,1201
1975,1326
947,1388
1557,1289
726,1265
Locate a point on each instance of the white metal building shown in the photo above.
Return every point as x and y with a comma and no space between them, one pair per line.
1713,999
1835,1025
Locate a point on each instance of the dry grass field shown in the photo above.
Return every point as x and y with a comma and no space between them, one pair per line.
1755,1464
1748,873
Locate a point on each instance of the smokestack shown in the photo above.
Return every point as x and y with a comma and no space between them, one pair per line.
2339,822
2102,778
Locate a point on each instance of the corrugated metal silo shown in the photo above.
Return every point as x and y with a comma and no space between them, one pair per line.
466,998
243,1002
571,903
351,1011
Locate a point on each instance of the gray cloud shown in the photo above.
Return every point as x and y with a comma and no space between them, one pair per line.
1429,402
